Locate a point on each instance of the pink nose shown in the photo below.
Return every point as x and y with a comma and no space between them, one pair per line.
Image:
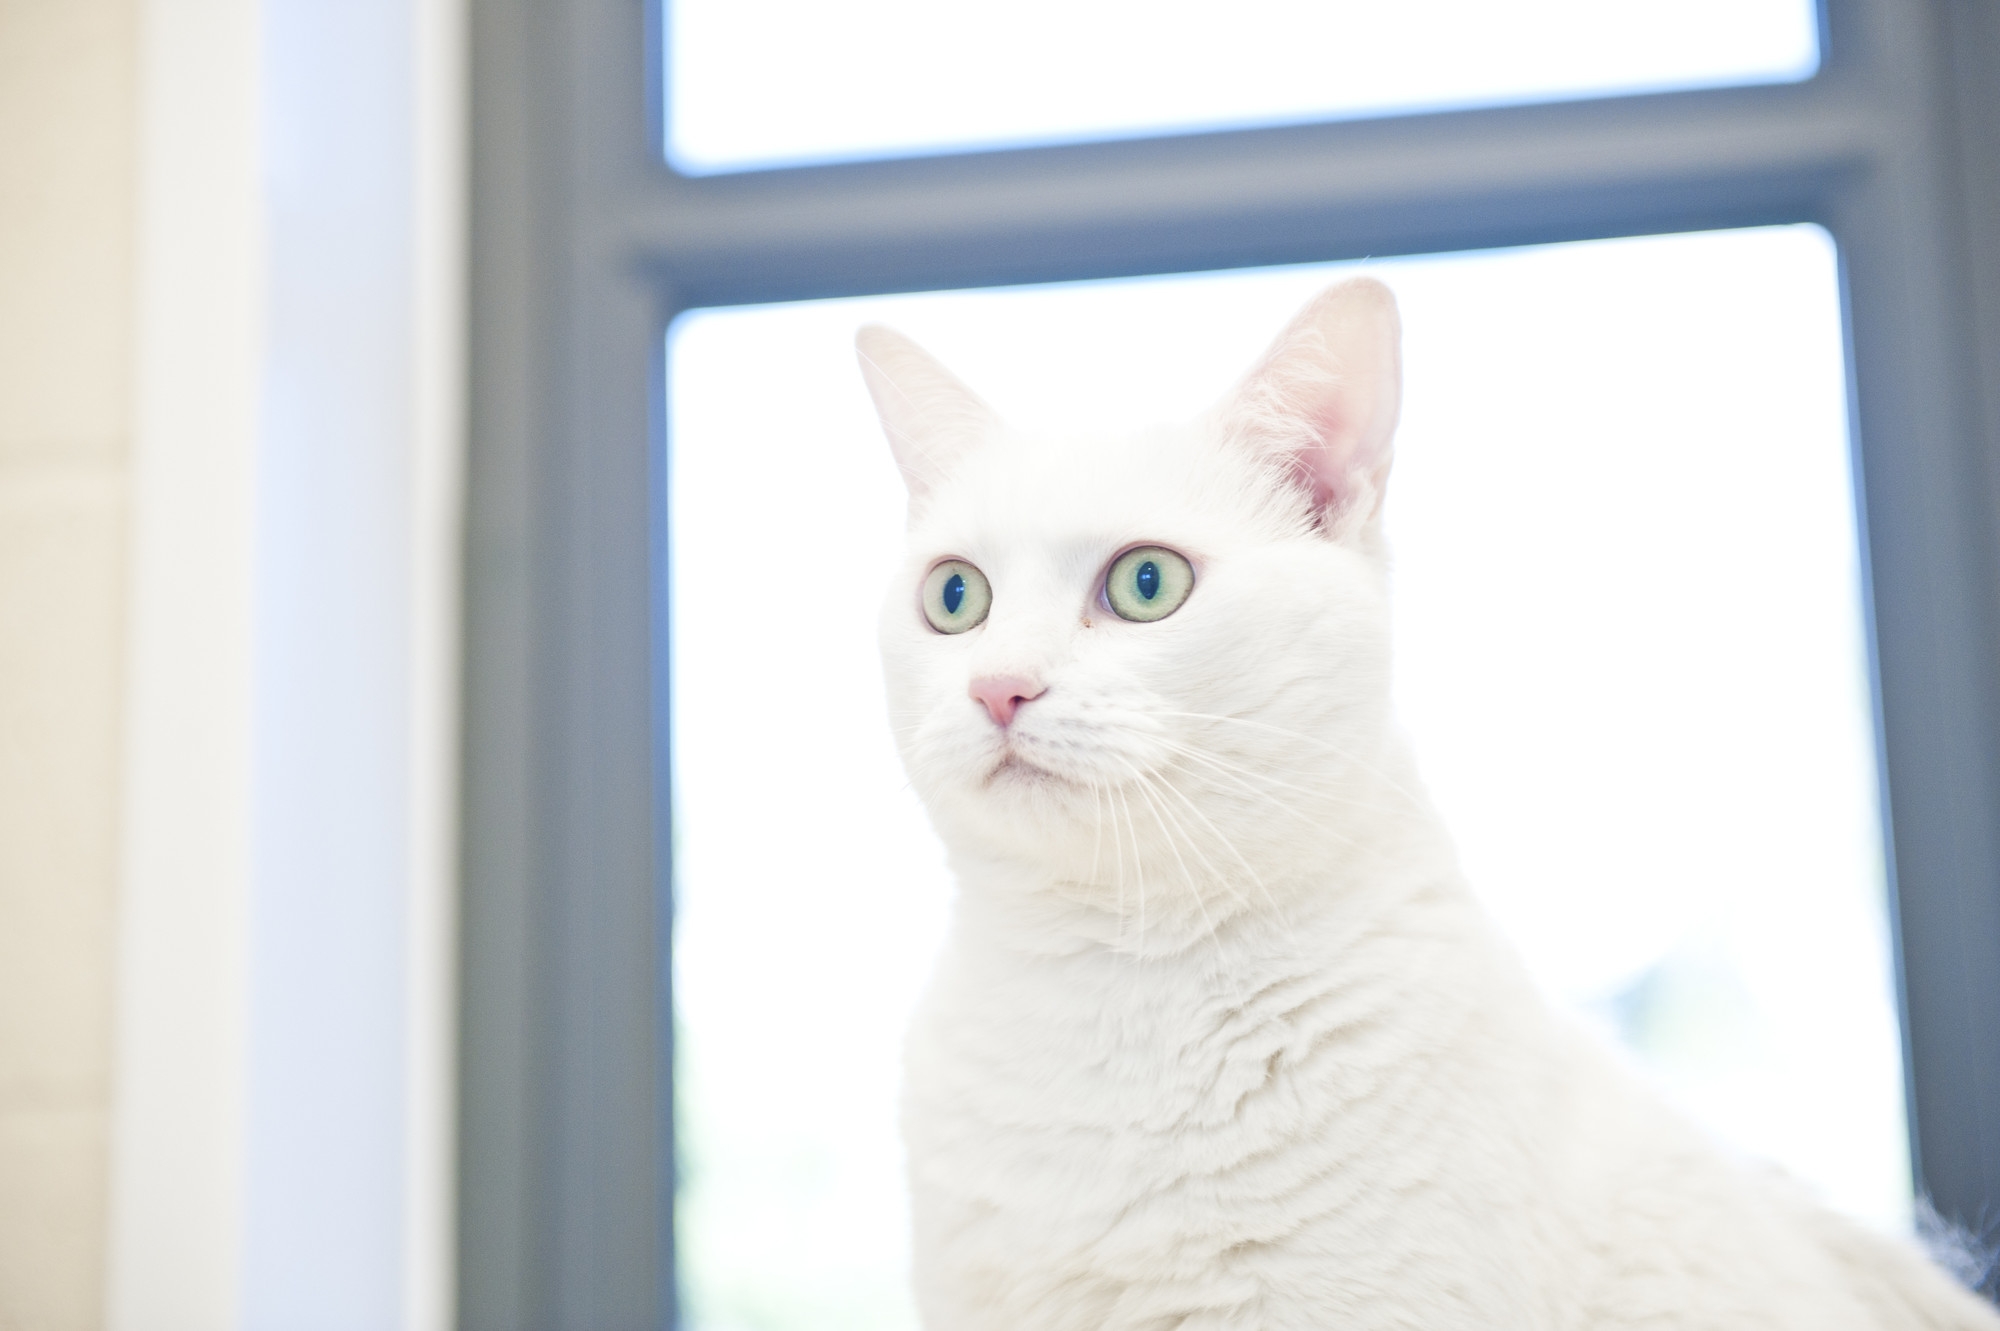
1003,695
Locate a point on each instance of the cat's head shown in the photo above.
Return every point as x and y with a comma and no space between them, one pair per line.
1147,669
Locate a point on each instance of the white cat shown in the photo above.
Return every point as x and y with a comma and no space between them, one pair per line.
1220,1038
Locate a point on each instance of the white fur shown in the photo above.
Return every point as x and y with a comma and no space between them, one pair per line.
1220,1039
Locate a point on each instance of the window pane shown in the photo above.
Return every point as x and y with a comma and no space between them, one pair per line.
776,82
1630,656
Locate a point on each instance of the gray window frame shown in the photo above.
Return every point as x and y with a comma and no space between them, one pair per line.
585,244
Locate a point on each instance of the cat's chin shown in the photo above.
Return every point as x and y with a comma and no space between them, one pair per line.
1015,771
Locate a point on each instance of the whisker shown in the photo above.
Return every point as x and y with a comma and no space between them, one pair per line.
1219,968
1227,844
1097,837
1166,834
1118,847
1249,773
1330,747
1242,783
1138,864
1157,783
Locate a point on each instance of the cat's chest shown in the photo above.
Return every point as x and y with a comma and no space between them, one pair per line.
1101,1083
1159,1136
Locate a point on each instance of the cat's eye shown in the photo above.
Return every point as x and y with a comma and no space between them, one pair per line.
1148,583
956,597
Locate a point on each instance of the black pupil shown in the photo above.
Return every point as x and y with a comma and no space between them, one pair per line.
954,593
1149,579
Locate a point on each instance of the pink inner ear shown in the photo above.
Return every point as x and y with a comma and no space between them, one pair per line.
1328,468
1325,400
1342,465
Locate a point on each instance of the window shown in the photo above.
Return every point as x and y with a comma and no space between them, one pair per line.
587,245
1622,490
779,82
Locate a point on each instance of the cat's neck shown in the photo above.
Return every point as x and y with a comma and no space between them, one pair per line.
1374,849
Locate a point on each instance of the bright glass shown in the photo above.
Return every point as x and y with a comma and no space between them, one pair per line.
1630,656
755,83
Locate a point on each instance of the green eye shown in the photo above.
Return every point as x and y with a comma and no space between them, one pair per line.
1148,583
956,597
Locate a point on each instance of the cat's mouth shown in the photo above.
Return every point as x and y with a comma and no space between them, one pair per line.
1012,767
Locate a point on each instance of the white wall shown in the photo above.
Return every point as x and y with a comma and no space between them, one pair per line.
66,152
282,1144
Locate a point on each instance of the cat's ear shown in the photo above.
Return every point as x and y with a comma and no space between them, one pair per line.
1324,399
930,417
